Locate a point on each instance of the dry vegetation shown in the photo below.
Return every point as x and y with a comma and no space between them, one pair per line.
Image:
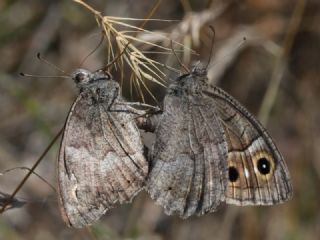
274,72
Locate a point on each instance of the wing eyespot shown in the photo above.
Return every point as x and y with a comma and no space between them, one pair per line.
233,174
264,166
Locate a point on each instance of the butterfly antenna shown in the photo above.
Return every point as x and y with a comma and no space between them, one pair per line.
41,76
244,40
147,17
179,60
232,50
116,58
93,51
50,64
212,44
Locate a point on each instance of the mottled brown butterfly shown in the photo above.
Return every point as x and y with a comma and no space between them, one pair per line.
209,149
101,161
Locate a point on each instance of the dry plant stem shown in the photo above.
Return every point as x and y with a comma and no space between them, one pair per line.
189,28
30,172
142,67
281,62
145,20
116,58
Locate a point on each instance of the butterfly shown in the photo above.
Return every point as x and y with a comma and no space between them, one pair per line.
209,149
101,161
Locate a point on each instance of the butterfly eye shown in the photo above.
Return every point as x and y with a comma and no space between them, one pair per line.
233,174
98,91
79,77
263,166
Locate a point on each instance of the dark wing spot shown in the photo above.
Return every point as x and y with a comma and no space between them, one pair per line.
233,174
263,166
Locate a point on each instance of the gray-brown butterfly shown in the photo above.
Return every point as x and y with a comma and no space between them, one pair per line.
101,161
210,149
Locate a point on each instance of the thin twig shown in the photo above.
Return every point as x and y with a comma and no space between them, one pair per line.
30,172
135,59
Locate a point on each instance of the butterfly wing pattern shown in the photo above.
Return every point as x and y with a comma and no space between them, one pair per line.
101,161
210,149
258,174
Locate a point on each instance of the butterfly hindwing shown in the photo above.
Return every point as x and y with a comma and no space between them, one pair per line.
258,174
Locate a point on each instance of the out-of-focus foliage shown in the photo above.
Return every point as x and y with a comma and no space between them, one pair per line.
281,55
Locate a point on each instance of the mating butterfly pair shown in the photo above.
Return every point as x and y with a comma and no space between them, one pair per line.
208,149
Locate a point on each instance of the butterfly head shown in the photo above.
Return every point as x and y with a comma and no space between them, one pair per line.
97,86
83,77
199,71
193,82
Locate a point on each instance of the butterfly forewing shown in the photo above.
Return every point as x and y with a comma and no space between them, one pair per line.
101,160
188,174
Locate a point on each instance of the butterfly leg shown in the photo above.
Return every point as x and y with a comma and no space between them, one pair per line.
139,104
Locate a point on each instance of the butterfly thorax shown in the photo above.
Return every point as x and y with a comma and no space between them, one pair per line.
97,87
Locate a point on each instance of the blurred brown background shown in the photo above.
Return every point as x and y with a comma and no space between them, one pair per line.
276,68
